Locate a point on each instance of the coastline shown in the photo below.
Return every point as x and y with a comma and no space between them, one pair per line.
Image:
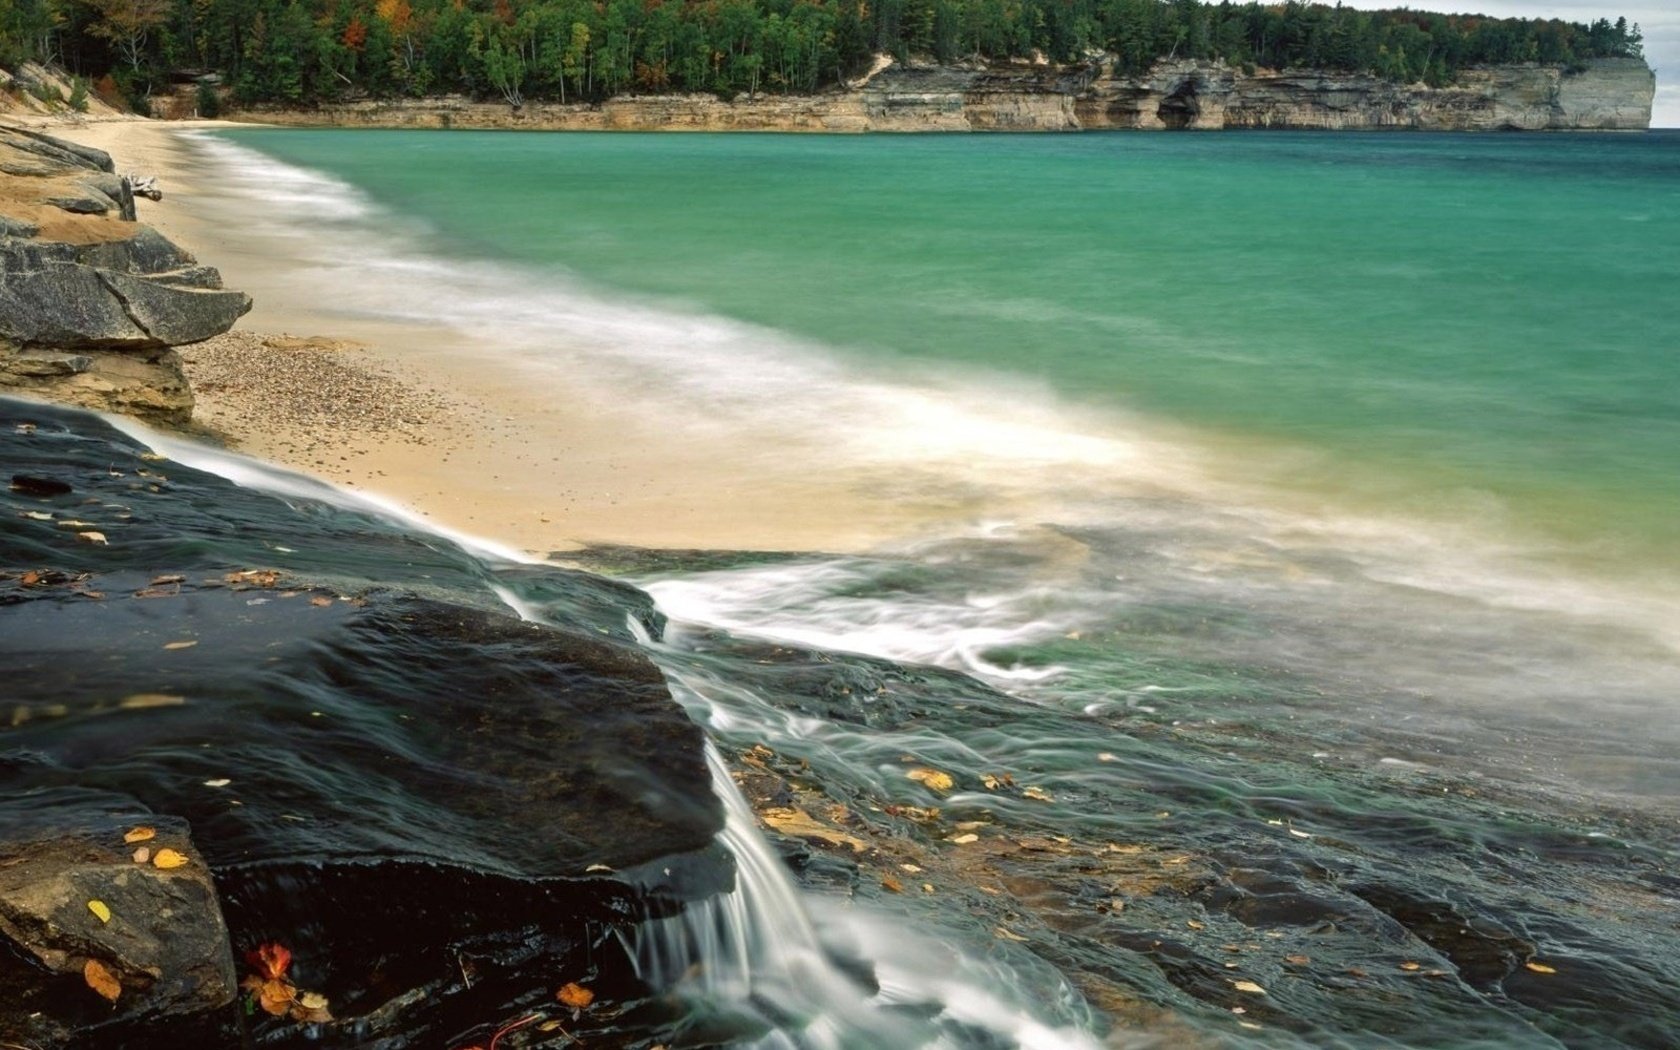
424,416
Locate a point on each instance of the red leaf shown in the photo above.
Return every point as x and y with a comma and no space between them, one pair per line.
271,960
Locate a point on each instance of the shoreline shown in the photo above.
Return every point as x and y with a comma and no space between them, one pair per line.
472,443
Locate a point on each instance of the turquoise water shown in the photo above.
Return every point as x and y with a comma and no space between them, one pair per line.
1346,569
1460,326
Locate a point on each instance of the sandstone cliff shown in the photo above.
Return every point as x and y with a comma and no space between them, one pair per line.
1608,95
91,301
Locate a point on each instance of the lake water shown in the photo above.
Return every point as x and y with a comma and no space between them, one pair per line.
1315,513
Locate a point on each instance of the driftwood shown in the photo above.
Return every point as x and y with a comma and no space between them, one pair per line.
144,186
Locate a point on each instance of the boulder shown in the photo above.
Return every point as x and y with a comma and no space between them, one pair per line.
73,892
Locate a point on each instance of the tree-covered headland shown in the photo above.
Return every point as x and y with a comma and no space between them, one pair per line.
304,51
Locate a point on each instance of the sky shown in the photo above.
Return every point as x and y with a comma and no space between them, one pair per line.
1658,19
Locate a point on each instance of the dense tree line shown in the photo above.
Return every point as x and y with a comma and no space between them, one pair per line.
302,51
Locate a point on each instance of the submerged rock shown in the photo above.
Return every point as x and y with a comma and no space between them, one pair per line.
78,273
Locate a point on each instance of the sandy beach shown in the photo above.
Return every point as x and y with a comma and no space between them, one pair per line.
430,418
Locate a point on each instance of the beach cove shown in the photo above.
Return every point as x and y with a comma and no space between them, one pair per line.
1139,687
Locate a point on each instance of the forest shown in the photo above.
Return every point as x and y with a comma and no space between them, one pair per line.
300,52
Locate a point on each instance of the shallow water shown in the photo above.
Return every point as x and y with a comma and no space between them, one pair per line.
1312,551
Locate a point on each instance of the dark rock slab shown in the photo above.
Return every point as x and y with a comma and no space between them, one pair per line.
443,811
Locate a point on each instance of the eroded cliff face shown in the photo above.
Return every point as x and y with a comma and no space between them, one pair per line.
1609,95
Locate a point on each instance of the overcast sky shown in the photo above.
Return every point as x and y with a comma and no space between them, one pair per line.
1658,19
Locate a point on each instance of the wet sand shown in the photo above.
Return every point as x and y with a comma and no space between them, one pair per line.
430,418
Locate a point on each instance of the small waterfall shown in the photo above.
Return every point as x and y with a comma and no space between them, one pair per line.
755,949
757,959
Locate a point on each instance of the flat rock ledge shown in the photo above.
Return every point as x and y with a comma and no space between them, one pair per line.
441,812
91,301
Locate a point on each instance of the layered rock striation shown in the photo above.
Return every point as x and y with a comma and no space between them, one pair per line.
92,301
1606,95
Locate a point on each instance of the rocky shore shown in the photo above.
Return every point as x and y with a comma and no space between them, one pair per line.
1605,95
94,301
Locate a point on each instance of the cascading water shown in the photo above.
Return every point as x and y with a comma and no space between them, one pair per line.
755,966
757,953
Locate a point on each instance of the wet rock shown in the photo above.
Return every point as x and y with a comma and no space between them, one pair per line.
438,808
64,865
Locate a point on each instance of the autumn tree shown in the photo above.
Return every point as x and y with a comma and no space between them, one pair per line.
127,24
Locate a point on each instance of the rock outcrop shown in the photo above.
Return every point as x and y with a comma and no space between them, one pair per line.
1606,95
91,301
442,812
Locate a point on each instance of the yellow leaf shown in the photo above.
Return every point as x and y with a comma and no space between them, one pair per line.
1248,986
932,778
141,701
180,645
1539,967
139,834
168,858
891,884
963,840
1409,966
1037,794
92,537
101,980
100,909
574,995
310,1008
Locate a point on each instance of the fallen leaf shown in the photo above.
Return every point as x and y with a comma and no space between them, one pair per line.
1037,794
271,960
320,602
100,910
1539,967
167,858
219,782
180,645
891,884
927,887
140,701
38,515
275,997
933,779
101,980
1410,966
92,537
159,581
1194,925
963,840
574,995
153,457
139,834
310,1008
1008,935
1296,960
1248,986
143,854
